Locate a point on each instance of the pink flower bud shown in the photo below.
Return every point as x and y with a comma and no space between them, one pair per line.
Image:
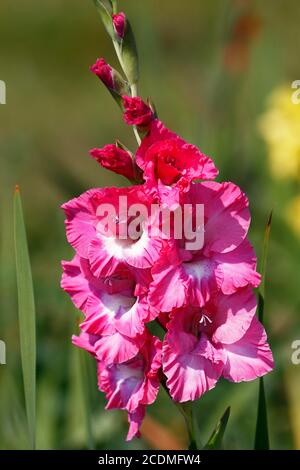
137,112
115,159
119,24
104,72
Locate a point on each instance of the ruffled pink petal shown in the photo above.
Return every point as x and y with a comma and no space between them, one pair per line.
117,348
238,268
226,213
233,316
85,341
133,382
106,255
204,280
117,312
103,261
81,221
250,357
192,374
135,420
196,165
152,351
122,384
169,287
132,322
189,283
156,132
75,283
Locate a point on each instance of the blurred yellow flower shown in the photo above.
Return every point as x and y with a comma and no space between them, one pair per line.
293,215
280,127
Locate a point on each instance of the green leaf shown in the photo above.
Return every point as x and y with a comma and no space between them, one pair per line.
263,268
262,432
26,309
152,106
216,439
129,55
105,10
121,88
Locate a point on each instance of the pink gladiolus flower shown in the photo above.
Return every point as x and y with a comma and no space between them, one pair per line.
137,113
88,229
226,261
104,72
113,309
131,385
131,268
222,338
115,159
119,24
167,160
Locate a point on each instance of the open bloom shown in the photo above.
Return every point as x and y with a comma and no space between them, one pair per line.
224,338
104,228
169,161
132,385
114,309
225,262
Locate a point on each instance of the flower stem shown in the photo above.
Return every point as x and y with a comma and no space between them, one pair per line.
186,409
133,86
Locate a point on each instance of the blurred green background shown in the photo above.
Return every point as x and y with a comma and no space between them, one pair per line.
209,67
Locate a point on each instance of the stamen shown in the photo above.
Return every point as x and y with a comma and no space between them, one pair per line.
204,320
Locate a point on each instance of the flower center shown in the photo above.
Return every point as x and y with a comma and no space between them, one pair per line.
201,324
170,160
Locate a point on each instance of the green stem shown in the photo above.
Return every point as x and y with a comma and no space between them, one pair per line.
133,86
186,409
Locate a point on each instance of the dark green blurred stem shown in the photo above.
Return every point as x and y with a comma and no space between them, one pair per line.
186,409
262,440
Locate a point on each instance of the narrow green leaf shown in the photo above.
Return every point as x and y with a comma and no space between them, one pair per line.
26,309
262,432
105,10
129,55
152,106
263,268
121,88
120,145
216,439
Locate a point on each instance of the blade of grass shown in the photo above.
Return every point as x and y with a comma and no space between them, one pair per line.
26,308
216,439
262,440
